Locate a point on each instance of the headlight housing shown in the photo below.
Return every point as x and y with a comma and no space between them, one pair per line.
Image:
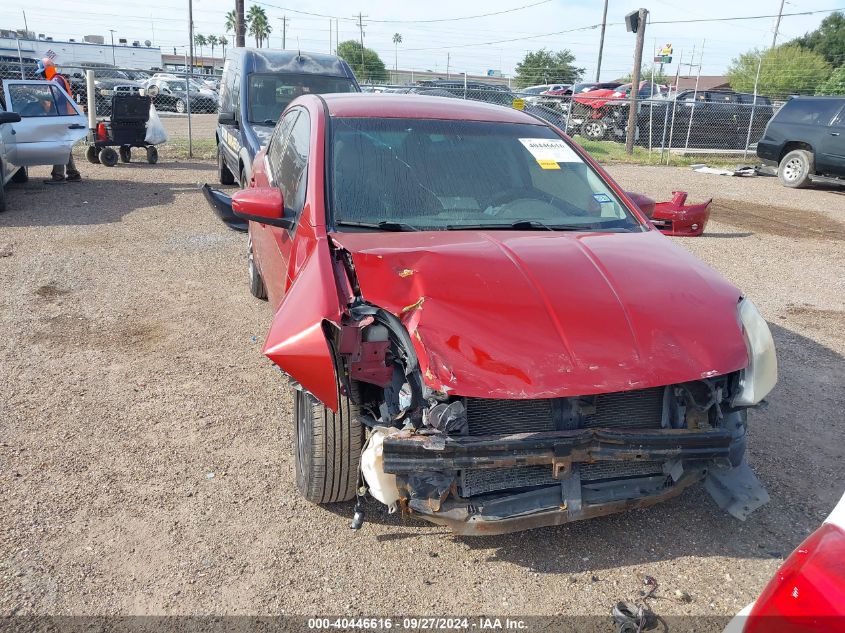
759,378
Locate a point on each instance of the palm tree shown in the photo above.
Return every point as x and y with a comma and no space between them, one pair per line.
212,41
223,41
397,40
231,22
259,25
200,41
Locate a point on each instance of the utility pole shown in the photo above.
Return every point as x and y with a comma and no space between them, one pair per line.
601,40
635,22
777,24
361,31
284,21
240,27
191,36
114,63
25,26
330,36
448,60
336,34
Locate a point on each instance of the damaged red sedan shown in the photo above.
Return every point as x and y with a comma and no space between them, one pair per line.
480,326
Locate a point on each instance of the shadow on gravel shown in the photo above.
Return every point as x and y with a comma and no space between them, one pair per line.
795,448
91,201
727,235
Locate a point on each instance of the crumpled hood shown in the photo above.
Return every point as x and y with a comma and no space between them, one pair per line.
536,315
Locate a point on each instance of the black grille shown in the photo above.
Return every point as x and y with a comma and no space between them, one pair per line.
627,409
641,409
500,417
610,470
481,481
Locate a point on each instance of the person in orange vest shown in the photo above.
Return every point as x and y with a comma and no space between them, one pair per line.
61,173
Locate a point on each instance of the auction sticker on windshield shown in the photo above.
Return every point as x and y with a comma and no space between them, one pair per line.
548,152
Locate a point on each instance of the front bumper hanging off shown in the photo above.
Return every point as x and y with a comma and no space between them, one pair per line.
427,465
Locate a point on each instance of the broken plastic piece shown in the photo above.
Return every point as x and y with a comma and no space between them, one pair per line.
736,490
448,418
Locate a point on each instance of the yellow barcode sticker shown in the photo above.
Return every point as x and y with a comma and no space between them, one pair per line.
548,164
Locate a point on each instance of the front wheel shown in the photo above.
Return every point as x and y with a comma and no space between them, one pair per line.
256,281
125,154
796,168
152,155
594,129
180,106
224,175
21,176
93,155
328,448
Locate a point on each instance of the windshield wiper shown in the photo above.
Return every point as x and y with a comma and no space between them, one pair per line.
383,225
519,225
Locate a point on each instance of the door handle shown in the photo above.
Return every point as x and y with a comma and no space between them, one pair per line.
834,133
76,126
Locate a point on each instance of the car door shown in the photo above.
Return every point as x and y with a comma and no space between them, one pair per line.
50,122
287,159
831,152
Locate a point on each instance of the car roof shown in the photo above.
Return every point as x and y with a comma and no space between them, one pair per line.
265,60
414,106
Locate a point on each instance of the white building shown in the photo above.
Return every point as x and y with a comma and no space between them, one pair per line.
136,55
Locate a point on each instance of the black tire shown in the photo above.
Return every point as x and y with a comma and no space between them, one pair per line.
108,156
256,281
93,155
327,448
796,168
594,129
2,192
224,174
180,106
152,155
125,154
21,176
244,183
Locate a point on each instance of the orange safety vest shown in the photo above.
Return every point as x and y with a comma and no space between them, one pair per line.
64,83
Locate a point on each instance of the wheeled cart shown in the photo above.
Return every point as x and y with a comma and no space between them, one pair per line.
127,128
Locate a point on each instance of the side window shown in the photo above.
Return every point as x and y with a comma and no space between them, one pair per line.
276,148
37,100
294,172
809,111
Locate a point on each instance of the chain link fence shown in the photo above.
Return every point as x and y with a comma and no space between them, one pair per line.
177,92
685,122
689,121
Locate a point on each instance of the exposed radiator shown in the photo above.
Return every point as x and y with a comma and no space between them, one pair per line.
632,409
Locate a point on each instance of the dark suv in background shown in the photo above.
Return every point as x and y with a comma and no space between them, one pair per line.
806,140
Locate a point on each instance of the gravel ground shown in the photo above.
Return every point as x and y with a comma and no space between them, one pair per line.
145,442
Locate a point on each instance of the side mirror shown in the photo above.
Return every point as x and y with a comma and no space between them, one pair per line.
644,203
227,118
9,117
261,204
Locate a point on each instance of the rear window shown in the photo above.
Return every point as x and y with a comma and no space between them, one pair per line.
809,111
270,94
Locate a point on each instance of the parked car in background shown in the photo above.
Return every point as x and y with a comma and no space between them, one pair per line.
807,593
806,140
475,91
39,124
411,249
712,119
108,81
593,112
172,95
257,85
533,94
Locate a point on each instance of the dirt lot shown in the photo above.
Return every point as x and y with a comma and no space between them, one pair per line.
145,442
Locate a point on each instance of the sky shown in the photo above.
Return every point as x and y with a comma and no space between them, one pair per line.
471,45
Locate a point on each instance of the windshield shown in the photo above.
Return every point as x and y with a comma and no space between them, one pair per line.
410,174
270,94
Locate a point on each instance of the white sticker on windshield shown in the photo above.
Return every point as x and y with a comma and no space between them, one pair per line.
545,150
